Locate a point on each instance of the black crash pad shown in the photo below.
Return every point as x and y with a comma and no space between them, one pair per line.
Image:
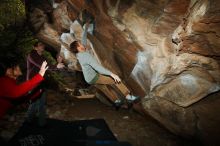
64,133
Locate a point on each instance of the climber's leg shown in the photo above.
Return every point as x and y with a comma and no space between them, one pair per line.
120,86
109,81
30,115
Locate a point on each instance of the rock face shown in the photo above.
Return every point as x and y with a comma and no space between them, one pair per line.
167,51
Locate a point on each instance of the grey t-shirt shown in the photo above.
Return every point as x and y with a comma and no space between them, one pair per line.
90,66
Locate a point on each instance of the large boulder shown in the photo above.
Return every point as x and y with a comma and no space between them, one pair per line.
166,51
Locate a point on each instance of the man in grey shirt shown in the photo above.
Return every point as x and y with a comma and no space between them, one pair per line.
95,73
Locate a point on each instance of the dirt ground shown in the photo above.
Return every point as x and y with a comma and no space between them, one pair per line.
127,125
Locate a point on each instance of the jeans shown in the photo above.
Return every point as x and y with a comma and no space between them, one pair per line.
38,108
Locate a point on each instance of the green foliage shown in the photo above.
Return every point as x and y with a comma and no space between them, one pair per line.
6,38
49,57
55,78
25,44
17,39
12,12
16,42
13,33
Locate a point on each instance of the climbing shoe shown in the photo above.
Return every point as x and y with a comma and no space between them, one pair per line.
118,103
131,98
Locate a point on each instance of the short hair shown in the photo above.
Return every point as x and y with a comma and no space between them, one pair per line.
73,47
36,44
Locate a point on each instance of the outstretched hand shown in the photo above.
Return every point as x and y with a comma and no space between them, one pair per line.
43,68
116,78
60,65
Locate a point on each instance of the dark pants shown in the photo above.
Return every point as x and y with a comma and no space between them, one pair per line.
3,142
38,109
